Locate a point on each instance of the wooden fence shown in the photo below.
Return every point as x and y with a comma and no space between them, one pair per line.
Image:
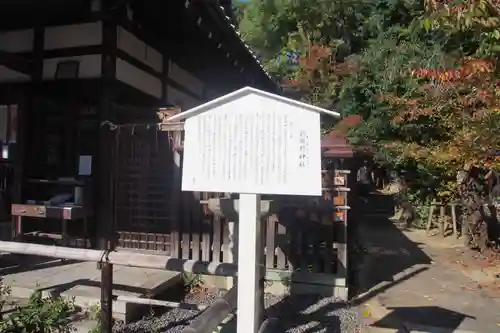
153,214
293,243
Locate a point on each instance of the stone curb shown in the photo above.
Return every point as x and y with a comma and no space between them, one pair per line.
415,328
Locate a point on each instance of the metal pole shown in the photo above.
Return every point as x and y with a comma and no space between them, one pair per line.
106,298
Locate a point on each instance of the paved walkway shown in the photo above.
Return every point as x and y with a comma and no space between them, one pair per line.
408,283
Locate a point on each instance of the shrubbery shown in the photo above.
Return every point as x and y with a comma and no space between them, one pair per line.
40,315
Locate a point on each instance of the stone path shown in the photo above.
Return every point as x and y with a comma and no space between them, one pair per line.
408,282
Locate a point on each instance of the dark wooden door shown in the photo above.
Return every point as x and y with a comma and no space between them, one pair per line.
143,184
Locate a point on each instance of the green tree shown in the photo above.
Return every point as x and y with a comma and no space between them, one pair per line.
421,74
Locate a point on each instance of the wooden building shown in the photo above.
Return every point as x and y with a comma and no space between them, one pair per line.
81,82
67,68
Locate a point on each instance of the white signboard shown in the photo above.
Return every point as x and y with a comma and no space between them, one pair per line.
265,148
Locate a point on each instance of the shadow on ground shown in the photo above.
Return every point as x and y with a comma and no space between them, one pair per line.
382,258
12,263
422,317
312,313
389,257
299,313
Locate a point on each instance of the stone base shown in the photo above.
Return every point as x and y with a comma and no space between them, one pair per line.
278,283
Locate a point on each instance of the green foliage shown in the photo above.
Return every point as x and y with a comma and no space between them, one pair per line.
41,315
422,74
420,201
5,292
238,10
192,281
94,313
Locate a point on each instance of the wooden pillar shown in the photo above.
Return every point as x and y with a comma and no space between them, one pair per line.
176,195
26,109
105,161
26,113
164,76
38,48
341,220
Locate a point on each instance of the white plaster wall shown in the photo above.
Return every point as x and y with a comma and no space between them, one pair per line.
90,66
10,75
16,40
74,35
138,49
55,37
178,98
183,77
137,78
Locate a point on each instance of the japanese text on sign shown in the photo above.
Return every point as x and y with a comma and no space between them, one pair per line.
263,151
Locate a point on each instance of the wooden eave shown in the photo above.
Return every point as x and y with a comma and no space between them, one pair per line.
15,62
234,41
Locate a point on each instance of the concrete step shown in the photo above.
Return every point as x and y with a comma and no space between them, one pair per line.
80,282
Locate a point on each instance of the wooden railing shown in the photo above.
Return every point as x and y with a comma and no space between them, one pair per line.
290,243
211,316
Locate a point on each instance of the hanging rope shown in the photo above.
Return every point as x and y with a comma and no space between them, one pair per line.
175,126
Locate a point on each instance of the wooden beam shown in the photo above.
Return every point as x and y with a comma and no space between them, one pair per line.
171,23
164,74
186,53
212,317
122,258
103,172
269,325
148,69
233,44
156,302
20,16
237,46
16,62
27,113
216,44
169,52
161,25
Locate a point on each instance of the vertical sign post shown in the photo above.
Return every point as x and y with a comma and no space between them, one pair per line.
249,255
252,142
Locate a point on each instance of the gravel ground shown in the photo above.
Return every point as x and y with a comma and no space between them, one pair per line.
296,314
